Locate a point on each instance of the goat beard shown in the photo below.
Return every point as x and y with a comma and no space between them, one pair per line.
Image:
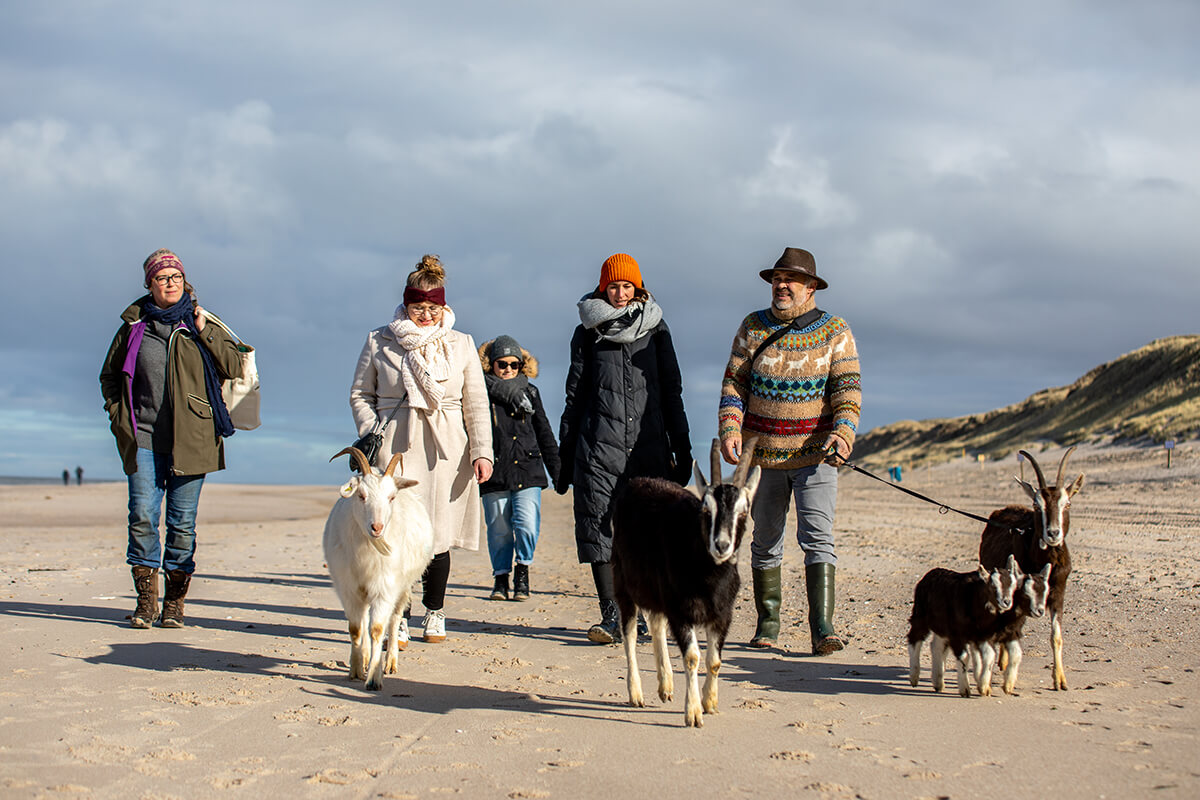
381,545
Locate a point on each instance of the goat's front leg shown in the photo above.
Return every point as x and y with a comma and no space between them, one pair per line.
662,657
1013,652
914,661
983,674
358,619
375,665
937,652
633,678
692,711
712,662
1060,677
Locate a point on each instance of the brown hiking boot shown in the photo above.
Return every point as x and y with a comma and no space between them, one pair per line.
176,590
145,581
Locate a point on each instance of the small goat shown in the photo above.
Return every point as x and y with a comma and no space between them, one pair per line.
1037,536
675,558
1028,601
960,610
378,540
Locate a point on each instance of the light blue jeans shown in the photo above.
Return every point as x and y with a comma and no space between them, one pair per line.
814,490
147,487
514,520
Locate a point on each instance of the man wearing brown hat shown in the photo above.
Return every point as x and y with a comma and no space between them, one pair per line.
793,382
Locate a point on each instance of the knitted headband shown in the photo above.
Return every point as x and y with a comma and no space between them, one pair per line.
620,267
414,295
158,261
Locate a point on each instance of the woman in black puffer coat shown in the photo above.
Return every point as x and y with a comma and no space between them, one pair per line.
623,417
525,450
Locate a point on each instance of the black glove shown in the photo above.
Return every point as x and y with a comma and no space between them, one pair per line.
681,471
562,481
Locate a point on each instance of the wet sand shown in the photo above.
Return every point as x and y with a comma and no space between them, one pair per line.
253,698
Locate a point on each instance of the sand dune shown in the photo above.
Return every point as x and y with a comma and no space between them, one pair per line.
253,697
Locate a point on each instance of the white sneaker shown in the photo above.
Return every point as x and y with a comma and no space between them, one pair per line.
402,637
435,626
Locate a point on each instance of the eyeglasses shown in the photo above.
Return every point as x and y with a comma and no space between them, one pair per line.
168,280
433,312
508,364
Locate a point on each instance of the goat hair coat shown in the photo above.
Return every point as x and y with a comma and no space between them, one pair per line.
439,447
623,418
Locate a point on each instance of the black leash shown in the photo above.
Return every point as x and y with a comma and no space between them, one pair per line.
942,507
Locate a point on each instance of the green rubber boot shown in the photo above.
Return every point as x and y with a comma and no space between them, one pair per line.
819,581
768,596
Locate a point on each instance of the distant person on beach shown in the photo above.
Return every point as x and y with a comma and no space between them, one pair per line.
161,382
623,416
420,363
793,381
525,450
66,477
79,476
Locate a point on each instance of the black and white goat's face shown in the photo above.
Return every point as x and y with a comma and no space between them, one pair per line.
1052,503
725,507
1035,589
1002,585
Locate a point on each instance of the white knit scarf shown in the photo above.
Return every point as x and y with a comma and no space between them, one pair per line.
620,325
426,364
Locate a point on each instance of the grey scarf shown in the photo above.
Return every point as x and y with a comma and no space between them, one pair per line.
620,325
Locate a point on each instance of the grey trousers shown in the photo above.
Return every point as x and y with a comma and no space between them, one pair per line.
814,490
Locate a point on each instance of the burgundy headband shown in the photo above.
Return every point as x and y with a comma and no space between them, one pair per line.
414,295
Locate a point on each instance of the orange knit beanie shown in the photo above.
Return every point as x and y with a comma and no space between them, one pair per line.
620,267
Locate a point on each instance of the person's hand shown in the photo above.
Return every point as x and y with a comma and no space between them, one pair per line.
483,470
731,448
837,444
200,319
562,481
682,473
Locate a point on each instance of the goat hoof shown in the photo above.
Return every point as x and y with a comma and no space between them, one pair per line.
693,720
374,686
666,697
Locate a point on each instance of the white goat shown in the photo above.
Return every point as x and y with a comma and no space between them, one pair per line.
378,540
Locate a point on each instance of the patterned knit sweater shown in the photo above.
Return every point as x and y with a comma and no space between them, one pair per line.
802,388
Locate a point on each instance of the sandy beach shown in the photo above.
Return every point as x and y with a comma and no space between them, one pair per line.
252,699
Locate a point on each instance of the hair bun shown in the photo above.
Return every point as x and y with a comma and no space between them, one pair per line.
431,265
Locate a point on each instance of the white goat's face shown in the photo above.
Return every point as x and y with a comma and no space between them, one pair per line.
373,495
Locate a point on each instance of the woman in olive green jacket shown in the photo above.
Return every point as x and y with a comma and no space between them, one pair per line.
161,383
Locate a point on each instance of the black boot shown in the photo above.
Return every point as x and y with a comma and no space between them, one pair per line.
768,596
521,582
145,580
608,629
176,590
819,580
500,588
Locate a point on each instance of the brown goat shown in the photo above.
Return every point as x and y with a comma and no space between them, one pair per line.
1037,536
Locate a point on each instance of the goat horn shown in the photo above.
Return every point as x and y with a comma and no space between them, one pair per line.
1061,465
744,461
714,477
397,458
364,466
1041,478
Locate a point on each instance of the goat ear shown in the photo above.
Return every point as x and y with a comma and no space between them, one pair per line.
1075,487
1046,571
404,483
695,490
701,484
1014,567
752,481
1028,487
983,573
348,487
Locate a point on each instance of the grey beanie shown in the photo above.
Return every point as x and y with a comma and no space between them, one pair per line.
505,346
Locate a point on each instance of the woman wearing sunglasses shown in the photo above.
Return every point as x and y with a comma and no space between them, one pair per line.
525,451
161,382
421,364
623,417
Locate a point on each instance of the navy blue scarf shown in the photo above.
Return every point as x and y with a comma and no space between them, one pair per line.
185,312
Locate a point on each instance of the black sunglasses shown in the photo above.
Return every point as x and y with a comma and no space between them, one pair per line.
508,364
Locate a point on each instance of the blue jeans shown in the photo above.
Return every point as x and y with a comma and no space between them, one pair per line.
514,520
814,490
147,487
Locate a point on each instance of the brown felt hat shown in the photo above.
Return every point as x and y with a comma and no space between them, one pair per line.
796,260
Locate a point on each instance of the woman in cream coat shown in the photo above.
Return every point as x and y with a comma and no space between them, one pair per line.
443,427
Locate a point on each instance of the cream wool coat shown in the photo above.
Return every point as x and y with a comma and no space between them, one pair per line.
439,447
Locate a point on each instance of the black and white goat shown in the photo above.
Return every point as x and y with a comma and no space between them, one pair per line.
959,610
1029,600
378,540
1037,536
675,558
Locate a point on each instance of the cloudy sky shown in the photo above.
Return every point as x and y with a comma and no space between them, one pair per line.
1000,198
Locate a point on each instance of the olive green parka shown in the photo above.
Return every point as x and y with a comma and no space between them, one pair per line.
196,448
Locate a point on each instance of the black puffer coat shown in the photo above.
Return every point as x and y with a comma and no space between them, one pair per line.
623,419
